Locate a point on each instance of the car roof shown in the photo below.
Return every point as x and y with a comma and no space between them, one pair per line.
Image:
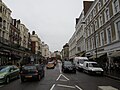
50,62
90,62
28,65
81,58
8,66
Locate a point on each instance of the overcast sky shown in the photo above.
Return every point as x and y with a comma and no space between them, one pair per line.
52,20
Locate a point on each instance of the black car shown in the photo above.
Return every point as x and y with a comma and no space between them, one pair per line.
35,71
68,66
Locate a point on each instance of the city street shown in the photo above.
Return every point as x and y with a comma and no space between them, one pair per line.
56,80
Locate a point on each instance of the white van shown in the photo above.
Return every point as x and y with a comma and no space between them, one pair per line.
92,68
78,61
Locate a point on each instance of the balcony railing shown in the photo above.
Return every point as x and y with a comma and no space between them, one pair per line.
7,42
4,41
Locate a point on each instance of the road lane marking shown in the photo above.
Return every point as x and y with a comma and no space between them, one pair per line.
78,87
106,88
62,80
65,77
52,87
60,68
60,85
58,77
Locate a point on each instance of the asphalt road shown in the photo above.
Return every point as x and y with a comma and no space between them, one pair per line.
56,80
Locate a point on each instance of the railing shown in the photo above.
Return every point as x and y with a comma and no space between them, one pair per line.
4,41
12,45
7,42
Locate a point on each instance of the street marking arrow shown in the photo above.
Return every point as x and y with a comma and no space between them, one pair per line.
63,76
65,86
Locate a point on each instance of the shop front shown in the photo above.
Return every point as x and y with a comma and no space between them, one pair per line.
4,57
115,61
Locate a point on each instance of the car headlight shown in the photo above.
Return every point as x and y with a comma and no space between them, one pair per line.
92,70
2,76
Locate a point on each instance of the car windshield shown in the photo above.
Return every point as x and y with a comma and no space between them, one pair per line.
29,67
50,62
4,69
67,63
82,60
93,65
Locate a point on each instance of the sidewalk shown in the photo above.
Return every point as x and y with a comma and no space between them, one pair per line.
113,74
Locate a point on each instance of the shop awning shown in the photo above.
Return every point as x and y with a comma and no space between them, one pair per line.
98,55
115,54
80,53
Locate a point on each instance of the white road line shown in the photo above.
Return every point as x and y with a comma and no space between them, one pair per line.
65,86
62,80
65,77
52,87
78,87
60,68
58,77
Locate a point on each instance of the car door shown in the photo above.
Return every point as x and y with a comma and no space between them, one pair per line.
11,74
85,66
15,71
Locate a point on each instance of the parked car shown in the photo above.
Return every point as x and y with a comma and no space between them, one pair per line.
78,61
33,71
50,65
92,68
68,66
8,73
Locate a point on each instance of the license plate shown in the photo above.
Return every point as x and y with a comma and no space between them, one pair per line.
28,76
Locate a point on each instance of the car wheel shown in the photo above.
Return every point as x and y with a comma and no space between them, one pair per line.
84,70
7,80
75,72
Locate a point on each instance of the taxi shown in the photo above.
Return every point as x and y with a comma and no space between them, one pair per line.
50,65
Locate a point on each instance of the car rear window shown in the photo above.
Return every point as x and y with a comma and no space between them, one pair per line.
29,67
68,63
93,65
82,60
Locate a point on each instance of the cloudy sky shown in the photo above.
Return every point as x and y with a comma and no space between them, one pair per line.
52,20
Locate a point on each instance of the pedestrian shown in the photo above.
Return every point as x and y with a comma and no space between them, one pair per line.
106,66
116,66
111,67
